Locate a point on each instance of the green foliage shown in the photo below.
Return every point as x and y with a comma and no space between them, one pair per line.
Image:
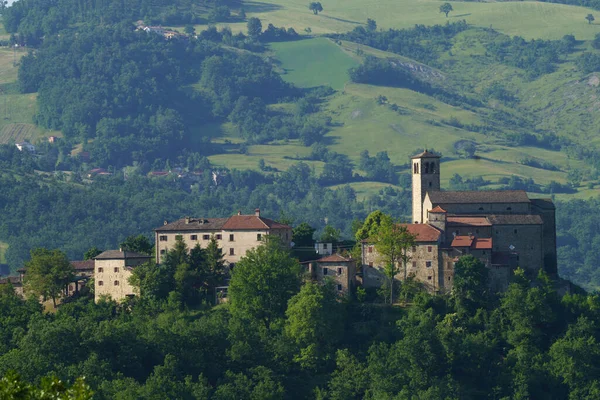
590,18
48,272
315,7
139,244
446,8
254,27
470,287
13,387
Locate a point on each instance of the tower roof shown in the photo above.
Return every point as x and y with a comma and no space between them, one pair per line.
426,154
438,210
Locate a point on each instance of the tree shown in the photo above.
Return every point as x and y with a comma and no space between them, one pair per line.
392,242
302,235
139,244
371,225
315,7
91,253
190,30
262,283
371,25
590,18
314,323
215,266
13,387
48,272
446,8
470,287
254,27
242,13
330,234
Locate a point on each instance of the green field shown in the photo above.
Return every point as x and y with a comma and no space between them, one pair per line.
314,62
3,248
525,18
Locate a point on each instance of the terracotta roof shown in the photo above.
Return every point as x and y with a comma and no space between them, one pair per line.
334,258
462,241
485,196
482,244
83,265
468,221
423,232
119,255
437,209
194,224
426,154
252,222
472,242
523,219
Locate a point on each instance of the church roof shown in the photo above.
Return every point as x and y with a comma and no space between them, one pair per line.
515,219
423,232
486,196
426,154
467,221
437,209
546,204
472,242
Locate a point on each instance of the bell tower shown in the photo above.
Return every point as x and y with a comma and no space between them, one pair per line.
425,177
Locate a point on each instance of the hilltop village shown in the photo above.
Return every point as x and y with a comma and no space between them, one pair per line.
503,229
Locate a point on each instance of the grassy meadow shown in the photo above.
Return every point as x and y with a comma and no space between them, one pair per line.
3,248
529,19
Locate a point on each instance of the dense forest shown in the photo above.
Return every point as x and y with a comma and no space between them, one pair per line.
294,340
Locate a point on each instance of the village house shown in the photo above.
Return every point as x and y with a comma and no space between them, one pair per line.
25,146
504,229
235,235
112,270
334,267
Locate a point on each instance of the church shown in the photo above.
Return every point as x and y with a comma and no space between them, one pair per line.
505,229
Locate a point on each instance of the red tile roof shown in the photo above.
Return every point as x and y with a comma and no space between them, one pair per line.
252,222
334,258
462,241
468,221
438,209
423,232
472,242
482,244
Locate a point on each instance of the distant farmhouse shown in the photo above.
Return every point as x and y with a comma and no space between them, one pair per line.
504,229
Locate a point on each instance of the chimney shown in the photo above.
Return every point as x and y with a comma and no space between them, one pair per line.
187,220
166,222
240,212
121,249
257,212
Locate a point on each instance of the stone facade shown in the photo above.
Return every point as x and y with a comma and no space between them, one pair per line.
340,270
235,235
504,229
112,271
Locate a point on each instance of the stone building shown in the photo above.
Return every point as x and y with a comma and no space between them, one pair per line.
341,270
112,271
503,228
235,235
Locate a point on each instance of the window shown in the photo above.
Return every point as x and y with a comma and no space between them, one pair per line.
515,231
258,237
414,248
219,237
414,264
324,271
476,230
162,238
116,283
194,237
116,269
163,251
339,271
231,237
326,245
339,288
508,208
231,252
428,264
448,279
429,184
100,269
205,237
370,249
426,168
429,278
370,264
480,208
429,249
100,283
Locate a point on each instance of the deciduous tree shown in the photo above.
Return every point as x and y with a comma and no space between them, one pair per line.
48,272
446,8
254,27
590,18
315,7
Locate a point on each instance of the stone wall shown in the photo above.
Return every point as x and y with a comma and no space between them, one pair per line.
527,242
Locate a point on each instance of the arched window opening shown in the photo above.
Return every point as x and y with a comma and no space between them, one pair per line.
432,168
426,168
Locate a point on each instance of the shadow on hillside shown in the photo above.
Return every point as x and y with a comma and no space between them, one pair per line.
258,7
343,20
460,15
